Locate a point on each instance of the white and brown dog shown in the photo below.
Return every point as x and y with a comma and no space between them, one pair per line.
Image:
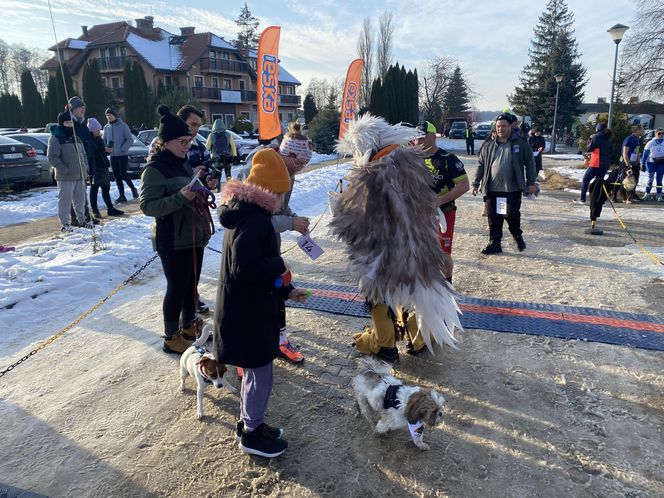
388,404
202,366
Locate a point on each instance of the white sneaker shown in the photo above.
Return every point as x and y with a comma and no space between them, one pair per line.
66,229
579,201
660,198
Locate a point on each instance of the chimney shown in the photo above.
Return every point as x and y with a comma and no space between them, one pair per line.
145,25
188,30
85,30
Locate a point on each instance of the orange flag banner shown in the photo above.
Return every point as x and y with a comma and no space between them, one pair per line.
349,104
267,84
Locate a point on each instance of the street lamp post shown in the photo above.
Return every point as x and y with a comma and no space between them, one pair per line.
559,79
617,32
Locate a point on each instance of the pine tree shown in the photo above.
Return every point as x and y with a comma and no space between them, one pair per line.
144,108
10,110
247,36
50,101
62,96
376,99
310,109
553,51
31,101
456,99
94,92
324,128
129,93
396,96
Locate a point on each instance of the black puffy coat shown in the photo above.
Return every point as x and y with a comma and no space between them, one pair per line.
247,309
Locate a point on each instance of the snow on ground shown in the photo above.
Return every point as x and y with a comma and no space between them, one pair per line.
564,157
58,278
43,202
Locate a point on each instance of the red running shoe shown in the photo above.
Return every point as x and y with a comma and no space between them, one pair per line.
288,352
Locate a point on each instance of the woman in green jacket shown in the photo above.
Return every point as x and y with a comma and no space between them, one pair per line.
182,228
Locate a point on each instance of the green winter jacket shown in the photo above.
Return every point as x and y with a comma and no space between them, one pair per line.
522,159
178,224
62,155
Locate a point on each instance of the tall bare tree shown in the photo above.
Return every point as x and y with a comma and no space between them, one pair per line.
21,59
365,50
644,51
5,50
434,82
384,54
321,90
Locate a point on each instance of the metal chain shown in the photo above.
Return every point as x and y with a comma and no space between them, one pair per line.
78,320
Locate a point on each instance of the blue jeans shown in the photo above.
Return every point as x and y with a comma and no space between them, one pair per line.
588,176
655,169
254,394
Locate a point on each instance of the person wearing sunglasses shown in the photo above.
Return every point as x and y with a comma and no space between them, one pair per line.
183,227
653,162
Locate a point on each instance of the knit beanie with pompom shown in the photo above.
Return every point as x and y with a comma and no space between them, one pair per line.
171,126
269,171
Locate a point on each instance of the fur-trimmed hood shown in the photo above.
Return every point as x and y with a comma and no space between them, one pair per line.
235,193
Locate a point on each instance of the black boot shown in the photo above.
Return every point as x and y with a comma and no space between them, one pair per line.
520,243
492,248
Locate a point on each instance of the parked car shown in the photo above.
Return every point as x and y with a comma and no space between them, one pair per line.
19,166
458,129
138,158
39,142
244,145
482,130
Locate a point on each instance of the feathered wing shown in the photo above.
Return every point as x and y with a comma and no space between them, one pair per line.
386,218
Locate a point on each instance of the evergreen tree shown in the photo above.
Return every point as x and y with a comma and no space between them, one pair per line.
553,51
62,96
32,105
324,128
456,99
50,102
129,93
142,99
396,97
10,110
94,92
161,90
175,97
310,109
247,36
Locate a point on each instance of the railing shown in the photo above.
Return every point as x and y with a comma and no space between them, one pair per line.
223,65
289,99
203,92
248,95
115,63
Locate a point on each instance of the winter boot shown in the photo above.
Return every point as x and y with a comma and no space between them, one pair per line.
175,344
114,212
96,213
192,331
520,243
492,248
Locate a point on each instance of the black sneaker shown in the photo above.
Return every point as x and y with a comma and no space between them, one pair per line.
96,213
114,212
492,249
388,354
273,432
202,307
258,443
134,194
520,243
120,199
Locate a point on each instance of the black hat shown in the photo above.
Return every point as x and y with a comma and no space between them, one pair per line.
66,130
110,110
171,126
506,116
75,102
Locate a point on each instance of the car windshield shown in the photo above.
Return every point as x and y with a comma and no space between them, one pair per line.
483,127
458,125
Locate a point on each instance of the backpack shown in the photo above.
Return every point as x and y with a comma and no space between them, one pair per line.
221,147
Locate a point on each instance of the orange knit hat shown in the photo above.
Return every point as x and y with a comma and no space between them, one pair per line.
269,171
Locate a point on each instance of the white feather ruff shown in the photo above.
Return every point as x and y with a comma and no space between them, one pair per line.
392,235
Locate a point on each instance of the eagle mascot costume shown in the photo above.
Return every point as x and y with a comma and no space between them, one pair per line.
387,218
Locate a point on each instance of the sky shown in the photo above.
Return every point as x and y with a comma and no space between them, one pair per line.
318,37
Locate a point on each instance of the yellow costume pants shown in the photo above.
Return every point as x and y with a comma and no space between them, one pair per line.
384,331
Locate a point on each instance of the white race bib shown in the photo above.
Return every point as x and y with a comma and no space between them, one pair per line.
308,246
501,205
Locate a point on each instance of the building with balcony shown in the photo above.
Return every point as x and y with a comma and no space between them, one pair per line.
220,79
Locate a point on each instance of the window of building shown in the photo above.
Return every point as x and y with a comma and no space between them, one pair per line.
230,119
216,116
215,82
123,51
115,82
290,90
290,117
245,114
281,90
104,81
241,84
103,52
227,84
252,63
168,81
212,54
111,52
226,55
198,81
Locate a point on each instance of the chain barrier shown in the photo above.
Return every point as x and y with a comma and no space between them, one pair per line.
653,257
78,320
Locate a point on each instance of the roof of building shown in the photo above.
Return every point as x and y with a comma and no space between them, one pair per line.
645,107
284,76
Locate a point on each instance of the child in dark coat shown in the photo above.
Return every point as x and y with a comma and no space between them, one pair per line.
253,278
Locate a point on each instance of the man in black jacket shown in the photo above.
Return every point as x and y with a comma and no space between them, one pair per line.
537,143
500,175
601,141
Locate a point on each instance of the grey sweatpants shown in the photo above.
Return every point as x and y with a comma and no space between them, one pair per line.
254,395
71,192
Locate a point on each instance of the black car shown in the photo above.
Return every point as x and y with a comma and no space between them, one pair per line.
19,166
138,158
